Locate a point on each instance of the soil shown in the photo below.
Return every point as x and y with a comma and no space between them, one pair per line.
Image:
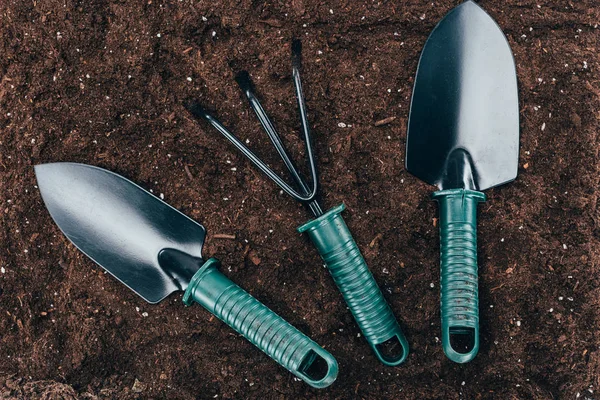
103,82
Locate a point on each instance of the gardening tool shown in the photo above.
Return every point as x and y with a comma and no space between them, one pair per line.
328,231
463,137
155,250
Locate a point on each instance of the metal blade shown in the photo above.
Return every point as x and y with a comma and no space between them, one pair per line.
123,228
463,129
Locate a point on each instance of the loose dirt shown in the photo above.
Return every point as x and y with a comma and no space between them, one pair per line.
103,83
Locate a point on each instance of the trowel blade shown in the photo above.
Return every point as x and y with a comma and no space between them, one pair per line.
463,129
126,230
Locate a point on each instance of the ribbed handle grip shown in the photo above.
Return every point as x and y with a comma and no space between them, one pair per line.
458,270
351,274
261,326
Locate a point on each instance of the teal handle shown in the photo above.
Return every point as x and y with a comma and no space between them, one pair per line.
458,270
342,256
262,327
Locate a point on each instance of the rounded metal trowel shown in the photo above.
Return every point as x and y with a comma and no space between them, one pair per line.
463,137
155,250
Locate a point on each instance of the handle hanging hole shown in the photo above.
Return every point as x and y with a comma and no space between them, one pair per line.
391,350
462,339
314,367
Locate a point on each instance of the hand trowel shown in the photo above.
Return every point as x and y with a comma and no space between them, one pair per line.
156,250
463,137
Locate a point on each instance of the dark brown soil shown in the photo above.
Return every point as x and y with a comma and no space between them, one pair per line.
102,82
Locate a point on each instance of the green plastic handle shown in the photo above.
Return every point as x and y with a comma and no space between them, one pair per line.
458,270
339,251
262,327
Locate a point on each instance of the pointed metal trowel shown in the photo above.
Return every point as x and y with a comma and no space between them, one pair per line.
155,250
463,137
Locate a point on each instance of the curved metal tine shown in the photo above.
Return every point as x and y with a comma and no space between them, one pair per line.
296,66
245,82
199,112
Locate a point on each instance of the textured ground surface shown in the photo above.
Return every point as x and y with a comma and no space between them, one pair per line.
102,82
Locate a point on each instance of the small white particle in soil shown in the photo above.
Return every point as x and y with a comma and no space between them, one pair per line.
137,309
330,11
158,35
518,323
432,285
564,246
551,310
560,298
204,18
144,314
162,196
2,270
189,78
342,125
543,126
